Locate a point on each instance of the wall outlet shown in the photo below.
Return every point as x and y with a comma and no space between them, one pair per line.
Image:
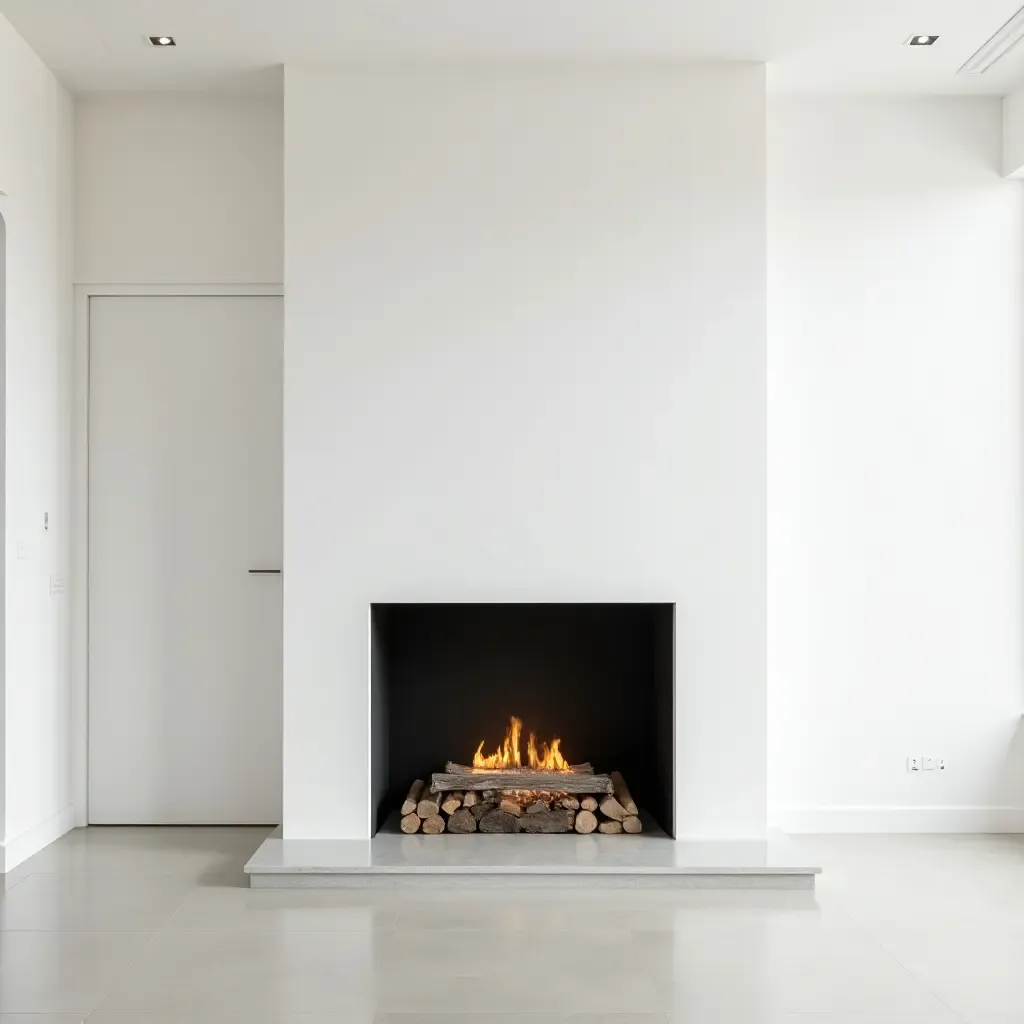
913,764
928,764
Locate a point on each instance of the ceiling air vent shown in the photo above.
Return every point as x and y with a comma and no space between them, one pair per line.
997,47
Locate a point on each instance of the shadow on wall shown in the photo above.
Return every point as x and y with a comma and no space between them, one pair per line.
3,508
1010,783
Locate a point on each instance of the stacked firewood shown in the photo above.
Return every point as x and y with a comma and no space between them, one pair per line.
434,809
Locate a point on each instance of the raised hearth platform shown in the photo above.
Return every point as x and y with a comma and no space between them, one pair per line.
648,860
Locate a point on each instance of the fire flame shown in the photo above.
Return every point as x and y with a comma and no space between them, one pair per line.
507,755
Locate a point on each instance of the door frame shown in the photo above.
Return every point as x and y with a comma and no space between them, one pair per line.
78,610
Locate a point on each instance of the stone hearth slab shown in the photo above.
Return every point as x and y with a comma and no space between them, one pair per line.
649,860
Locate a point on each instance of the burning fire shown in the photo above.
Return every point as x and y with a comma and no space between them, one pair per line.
507,755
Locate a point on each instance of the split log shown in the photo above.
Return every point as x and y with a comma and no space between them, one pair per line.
461,769
548,822
611,808
510,805
429,805
410,823
434,825
586,822
608,828
470,799
488,794
536,807
415,792
479,810
452,802
622,794
632,825
499,821
519,778
462,821
570,803
589,803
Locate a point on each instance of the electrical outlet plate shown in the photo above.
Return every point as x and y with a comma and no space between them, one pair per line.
928,764
940,763
913,764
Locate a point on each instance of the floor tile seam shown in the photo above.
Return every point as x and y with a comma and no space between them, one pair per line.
264,930
78,930
613,947
273,929
24,878
549,927
196,887
896,960
663,1010
129,966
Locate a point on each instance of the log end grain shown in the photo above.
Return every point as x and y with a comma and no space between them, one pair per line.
429,805
586,822
622,794
452,802
410,823
479,810
607,828
611,808
548,822
462,822
434,825
589,803
632,825
414,797
499,821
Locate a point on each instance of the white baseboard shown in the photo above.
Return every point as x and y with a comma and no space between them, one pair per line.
14,851
898,819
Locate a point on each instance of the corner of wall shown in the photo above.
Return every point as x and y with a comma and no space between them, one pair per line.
17,850
1013,135
37,125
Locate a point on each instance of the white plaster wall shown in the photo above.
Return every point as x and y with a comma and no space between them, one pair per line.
896,262
35,174
179,188
525,360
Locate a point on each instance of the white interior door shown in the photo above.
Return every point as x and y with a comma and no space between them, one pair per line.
185,496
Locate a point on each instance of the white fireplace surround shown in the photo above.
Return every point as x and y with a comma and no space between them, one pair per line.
525,335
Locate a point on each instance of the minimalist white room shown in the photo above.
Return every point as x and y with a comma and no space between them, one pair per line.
512,514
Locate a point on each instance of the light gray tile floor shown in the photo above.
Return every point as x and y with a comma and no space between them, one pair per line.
155,926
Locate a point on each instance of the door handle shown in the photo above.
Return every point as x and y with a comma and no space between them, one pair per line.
264,572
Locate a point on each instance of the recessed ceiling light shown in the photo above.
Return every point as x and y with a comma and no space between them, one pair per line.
162,41
922,41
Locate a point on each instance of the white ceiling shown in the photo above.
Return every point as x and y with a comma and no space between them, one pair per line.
849,46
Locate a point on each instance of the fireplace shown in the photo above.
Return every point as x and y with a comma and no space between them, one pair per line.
593,683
